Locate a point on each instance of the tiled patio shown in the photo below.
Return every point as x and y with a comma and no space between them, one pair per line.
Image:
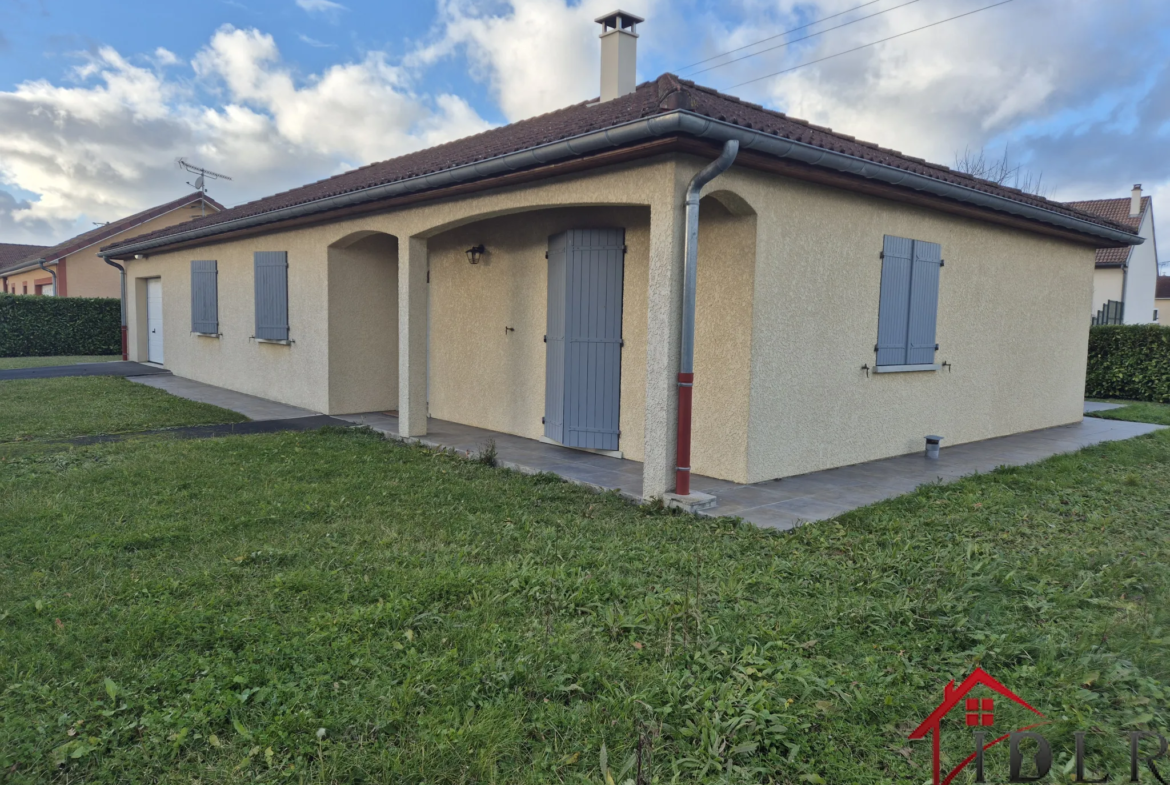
786,503
779,504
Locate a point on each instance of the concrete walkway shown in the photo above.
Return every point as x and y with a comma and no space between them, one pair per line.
248,405
1094,406
116,368
780,504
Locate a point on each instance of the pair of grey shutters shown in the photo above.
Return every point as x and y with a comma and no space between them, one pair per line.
271,278
583,357
908,307
204,297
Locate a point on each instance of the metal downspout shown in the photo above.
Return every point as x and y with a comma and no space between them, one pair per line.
686,366
53,273
122,270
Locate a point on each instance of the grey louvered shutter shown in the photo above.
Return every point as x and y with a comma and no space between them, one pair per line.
923,303
894,302
594,270
554,353
271,276
204,297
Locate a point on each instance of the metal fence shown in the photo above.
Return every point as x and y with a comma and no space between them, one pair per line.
1113,312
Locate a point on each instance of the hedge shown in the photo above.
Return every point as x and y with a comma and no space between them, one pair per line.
1130,362
53,326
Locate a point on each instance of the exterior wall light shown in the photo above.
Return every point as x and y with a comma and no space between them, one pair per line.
475,253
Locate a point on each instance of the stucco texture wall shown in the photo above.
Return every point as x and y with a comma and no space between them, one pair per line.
1011,321
1141,279
363,325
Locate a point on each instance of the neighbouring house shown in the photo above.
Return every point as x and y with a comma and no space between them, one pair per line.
1124,278
11,254
530,280
73,268
1162,299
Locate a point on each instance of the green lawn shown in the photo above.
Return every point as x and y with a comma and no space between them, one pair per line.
334,607
1137,411
7,363
84,405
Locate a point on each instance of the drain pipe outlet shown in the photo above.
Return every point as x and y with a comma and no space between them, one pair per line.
53,273
932,446
122,270
686,366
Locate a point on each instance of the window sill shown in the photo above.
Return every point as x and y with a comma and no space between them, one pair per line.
216,336
285,342
905,368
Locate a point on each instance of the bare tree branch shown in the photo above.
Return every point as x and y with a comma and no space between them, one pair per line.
1000,171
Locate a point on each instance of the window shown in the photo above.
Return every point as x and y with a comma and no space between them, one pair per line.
908,305
204,297
980,712
1155,314
271,277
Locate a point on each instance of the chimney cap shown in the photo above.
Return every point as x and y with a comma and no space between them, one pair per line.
1137,186
619,20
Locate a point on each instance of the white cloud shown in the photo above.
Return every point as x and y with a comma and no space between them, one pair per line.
320,6
105,145
313,42
536,55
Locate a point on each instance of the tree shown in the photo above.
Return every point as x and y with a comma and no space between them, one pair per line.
1000,171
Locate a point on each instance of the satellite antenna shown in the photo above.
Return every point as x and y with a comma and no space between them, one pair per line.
200,180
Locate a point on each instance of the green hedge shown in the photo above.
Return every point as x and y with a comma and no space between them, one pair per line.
1131,362
51,326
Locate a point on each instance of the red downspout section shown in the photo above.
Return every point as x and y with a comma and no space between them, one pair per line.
682,477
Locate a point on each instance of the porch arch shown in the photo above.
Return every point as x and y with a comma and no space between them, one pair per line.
362,316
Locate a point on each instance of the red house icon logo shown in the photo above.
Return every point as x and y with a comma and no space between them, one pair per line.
979,712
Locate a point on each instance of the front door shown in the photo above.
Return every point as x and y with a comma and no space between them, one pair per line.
154,321
583,357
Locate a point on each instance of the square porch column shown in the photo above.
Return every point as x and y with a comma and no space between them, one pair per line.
412,336
663,334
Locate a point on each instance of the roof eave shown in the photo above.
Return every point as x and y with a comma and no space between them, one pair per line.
24,267
673,122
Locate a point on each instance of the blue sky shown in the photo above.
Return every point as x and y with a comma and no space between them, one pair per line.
98,99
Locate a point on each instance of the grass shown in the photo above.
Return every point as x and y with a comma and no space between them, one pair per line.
85,405
1137,411
9,363
334,607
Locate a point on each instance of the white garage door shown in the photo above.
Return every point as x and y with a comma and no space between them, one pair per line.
154,321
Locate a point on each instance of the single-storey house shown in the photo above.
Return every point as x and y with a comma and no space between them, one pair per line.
73,268
532,280
1124,278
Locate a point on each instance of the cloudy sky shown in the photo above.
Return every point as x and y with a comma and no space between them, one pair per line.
97,100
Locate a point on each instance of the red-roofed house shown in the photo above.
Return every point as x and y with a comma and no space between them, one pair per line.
73,268
1126,275
533,280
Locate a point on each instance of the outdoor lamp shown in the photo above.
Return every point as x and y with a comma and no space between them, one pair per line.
475,253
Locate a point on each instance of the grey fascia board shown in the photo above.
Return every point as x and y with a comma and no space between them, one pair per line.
32,264
638,131
906,368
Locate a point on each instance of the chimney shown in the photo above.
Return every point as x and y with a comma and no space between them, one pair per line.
1135,201
619,53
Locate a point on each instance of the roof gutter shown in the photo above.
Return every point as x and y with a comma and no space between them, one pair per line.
669,123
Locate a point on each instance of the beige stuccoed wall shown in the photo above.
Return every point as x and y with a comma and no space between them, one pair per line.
1011,319
363,326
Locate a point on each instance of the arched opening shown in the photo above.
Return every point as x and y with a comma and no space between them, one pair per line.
362,288
488,321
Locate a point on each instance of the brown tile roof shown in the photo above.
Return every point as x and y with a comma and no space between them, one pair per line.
1162,292
103,232
1116,210
649,98
15,252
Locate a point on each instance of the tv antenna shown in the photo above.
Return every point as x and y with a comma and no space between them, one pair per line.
200,183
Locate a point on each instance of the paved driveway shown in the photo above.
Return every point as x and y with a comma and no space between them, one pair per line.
83,369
